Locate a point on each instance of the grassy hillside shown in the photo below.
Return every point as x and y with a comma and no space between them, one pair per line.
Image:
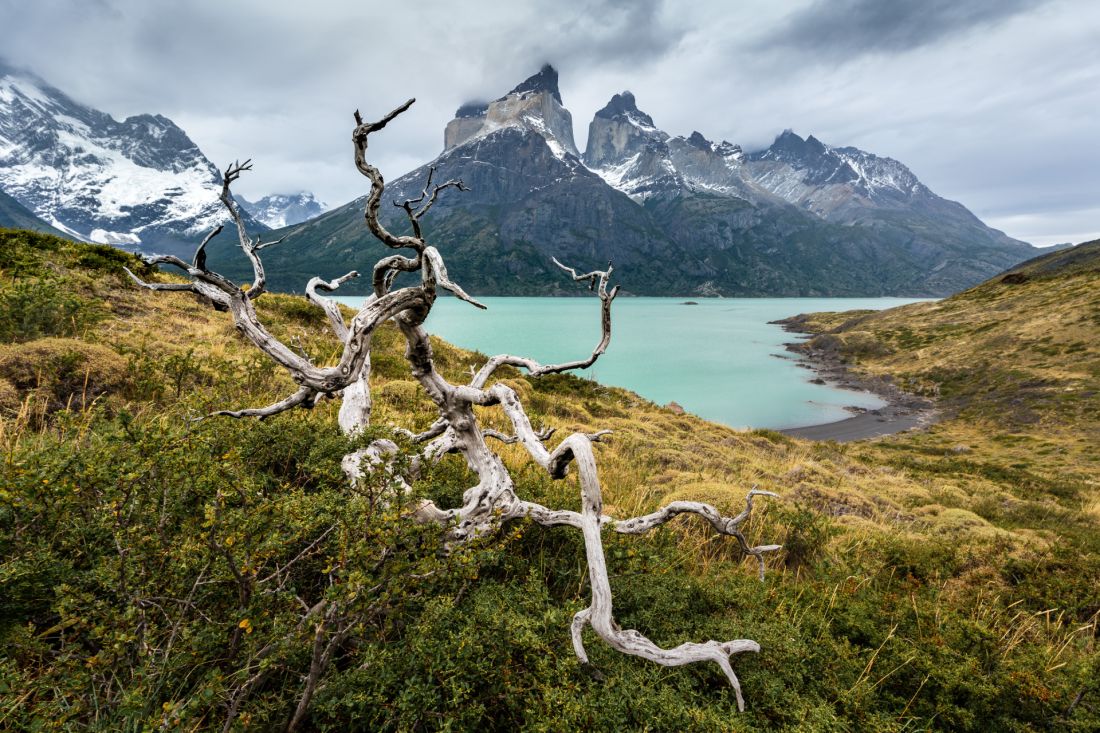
154,569
1014,362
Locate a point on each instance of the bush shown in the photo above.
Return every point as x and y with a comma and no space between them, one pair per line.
66,372
39,307
807,533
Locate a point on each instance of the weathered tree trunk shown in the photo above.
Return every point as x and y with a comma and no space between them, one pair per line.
493,500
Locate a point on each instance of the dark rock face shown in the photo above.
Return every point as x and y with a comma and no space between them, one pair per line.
624,105
544,81
678,216
811,157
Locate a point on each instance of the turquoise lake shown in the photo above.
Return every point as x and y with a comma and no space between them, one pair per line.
720,359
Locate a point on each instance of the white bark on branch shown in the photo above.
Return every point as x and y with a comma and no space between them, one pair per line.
328,305
724,525
304,397
355,407
598,281
494,499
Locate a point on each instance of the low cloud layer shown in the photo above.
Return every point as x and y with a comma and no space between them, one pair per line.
990,102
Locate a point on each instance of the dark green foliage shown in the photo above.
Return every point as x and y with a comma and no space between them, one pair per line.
148,563
807,534
159,573
102,258
38,307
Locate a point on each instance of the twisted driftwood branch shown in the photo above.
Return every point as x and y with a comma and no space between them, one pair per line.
493,500
598,281
328,305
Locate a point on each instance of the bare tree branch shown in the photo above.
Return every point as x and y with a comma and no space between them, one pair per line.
329,306
249,246
374,198
410,205
439,271
724,525
158,286
387,268
303,397
200,253
494,499
437,429
598,279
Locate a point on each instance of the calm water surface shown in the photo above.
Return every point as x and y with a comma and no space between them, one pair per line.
720,359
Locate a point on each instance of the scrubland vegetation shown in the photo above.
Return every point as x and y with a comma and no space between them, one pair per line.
157,572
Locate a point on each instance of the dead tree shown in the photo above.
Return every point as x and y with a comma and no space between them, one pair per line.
494,500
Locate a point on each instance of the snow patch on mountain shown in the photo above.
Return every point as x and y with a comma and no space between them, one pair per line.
139,181
282,210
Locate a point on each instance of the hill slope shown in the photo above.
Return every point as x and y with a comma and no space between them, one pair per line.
159,571
1018,353
1063,262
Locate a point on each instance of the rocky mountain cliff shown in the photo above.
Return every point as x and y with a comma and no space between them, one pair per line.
677,215
140,184
534,105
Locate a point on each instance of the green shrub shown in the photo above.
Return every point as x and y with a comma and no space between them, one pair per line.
34,308
807,533
66,372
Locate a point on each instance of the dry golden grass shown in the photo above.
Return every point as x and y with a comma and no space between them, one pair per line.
889,487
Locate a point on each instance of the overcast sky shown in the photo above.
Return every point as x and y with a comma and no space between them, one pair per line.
992,103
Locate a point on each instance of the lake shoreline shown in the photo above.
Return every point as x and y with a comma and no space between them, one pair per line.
903,411
728,346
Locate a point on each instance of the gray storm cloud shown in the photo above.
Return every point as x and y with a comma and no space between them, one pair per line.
844,28
990,102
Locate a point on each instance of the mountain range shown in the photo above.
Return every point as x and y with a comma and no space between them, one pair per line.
140,184
678,215
281,210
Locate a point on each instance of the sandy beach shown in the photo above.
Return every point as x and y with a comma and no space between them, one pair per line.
903,411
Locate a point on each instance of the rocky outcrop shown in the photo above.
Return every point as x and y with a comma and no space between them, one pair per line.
677,215
535,105
628,151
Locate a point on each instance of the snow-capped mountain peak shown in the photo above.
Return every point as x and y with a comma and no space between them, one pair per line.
281,210
534,105
628,151
140,183
623,106
828,180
